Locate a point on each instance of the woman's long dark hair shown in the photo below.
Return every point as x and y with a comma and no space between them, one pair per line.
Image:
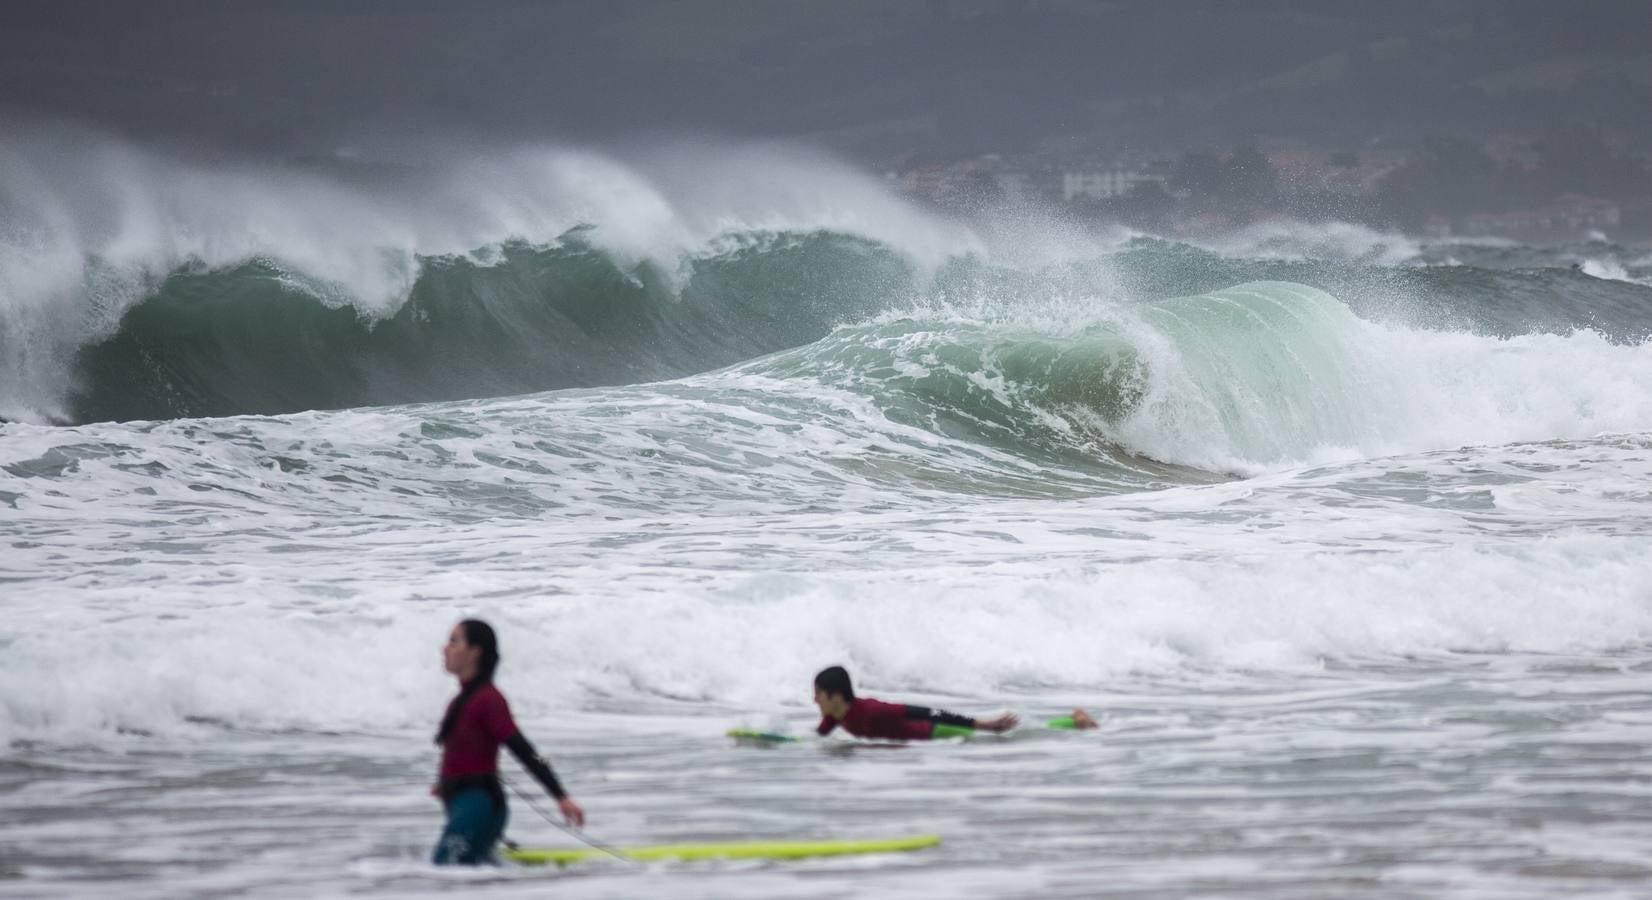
477,634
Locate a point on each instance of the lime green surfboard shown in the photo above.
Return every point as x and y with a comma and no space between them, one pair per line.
728,850
943,730
763,737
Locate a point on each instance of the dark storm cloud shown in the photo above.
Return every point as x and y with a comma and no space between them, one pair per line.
871,76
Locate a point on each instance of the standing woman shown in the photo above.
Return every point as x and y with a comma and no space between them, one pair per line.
477,722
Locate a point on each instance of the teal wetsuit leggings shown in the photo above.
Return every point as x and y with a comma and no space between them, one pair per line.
474,823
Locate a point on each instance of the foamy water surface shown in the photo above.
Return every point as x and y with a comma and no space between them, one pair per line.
1363,606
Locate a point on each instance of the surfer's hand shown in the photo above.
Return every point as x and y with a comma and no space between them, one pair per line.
1002,723
571,812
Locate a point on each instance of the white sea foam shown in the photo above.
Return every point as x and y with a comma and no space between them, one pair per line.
753,641
315,599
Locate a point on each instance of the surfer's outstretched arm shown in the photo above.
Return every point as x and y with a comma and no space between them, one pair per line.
541,771
535,764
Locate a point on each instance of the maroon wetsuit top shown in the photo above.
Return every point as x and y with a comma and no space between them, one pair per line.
470,752
484,724
869,718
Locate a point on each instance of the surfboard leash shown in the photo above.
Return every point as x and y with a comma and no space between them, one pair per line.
596,844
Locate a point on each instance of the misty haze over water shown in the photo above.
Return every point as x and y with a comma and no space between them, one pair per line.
1181,115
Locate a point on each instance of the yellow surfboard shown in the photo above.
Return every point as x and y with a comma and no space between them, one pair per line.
727,850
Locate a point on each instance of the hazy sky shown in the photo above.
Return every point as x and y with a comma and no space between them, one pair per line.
875,78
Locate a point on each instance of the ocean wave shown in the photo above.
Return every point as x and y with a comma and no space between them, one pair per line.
1087,399
136,286
1245,379
261,339
94,231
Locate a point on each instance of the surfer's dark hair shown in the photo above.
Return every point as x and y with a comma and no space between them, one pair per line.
477,634
835,681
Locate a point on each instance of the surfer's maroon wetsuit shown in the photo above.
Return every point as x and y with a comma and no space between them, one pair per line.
470,754
868,718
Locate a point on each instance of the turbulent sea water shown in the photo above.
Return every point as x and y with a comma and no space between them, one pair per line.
1344,537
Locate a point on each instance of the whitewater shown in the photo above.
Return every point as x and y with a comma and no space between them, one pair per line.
1342,535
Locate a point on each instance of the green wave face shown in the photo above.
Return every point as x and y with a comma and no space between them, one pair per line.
1266,368
1260,371
260,339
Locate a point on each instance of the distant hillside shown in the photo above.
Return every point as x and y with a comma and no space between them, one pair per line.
873,77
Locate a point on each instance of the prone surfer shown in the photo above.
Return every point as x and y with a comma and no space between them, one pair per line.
868,718
477,722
